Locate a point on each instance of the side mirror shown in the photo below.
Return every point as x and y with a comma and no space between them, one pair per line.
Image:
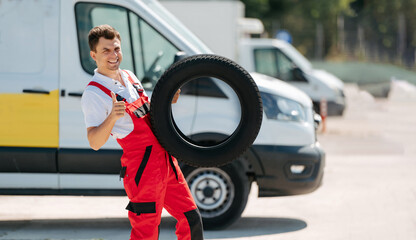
179,56
317,119
298,75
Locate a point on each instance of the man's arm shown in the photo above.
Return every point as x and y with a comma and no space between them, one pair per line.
98,136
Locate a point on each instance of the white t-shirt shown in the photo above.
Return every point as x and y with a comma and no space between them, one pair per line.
97,105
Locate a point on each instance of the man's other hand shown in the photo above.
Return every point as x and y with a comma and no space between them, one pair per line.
175,98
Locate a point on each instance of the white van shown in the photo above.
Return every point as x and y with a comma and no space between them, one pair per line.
45,66
222,25
279,59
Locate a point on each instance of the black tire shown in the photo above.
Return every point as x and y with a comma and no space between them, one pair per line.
220,193
182,147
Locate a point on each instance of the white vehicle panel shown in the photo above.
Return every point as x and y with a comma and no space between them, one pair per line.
90,181
276,86
29,180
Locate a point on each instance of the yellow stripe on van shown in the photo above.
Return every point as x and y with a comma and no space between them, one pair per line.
29,120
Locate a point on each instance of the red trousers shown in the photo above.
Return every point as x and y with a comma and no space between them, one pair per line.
155,184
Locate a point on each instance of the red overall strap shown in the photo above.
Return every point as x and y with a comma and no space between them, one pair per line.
106,90
135,85
130,79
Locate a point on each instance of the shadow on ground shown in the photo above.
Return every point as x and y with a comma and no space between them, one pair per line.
59,229
247,227
119,228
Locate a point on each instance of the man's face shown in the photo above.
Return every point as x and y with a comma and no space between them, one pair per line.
108,54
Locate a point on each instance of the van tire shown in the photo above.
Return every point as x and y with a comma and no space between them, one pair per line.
230,181
182,147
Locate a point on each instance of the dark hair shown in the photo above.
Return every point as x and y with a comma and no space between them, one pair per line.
106,31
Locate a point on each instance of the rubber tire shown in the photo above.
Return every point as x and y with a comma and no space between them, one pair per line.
180,146
242,187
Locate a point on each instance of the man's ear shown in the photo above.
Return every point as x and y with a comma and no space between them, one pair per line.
92,54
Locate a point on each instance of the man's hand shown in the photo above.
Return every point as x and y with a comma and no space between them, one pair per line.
97,136
118,108
175,98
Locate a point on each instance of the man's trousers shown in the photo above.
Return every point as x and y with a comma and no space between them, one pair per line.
153,181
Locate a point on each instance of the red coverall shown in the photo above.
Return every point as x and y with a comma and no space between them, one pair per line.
153,179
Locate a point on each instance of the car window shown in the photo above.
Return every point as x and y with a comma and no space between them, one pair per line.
284,66
272,62
153,53
265,62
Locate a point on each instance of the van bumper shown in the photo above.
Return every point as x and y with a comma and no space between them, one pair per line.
282,168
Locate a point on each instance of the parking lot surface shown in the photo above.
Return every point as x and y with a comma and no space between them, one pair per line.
368,191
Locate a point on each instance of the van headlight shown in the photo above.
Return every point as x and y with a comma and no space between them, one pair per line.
283,109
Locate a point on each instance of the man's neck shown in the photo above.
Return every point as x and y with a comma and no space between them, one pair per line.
111,74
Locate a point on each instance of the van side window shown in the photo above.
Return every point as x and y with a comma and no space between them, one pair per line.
265,60
145,51
153,53
284,66
272,62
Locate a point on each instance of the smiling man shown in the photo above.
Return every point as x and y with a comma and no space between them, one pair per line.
115,103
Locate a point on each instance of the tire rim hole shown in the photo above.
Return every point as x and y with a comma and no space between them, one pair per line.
196,117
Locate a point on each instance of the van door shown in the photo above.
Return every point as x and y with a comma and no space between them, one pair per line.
146,52
29,74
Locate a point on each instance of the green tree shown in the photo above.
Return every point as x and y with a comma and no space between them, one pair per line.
386,26
301,19
388,29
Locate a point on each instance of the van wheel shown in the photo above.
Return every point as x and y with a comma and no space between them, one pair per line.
220,193
182,147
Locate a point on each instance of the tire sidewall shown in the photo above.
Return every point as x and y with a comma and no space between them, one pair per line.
174,141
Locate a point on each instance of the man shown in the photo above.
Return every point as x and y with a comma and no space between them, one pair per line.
115,103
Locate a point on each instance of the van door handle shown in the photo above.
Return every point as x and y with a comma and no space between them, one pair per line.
35,91
75,94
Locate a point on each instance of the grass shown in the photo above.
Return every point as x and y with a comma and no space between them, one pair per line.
372,77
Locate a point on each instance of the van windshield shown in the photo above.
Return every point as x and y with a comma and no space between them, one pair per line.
296,57
173,22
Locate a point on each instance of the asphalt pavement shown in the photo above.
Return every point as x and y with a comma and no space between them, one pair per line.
368,191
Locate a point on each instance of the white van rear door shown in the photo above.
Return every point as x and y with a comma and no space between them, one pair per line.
29,66
29,94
